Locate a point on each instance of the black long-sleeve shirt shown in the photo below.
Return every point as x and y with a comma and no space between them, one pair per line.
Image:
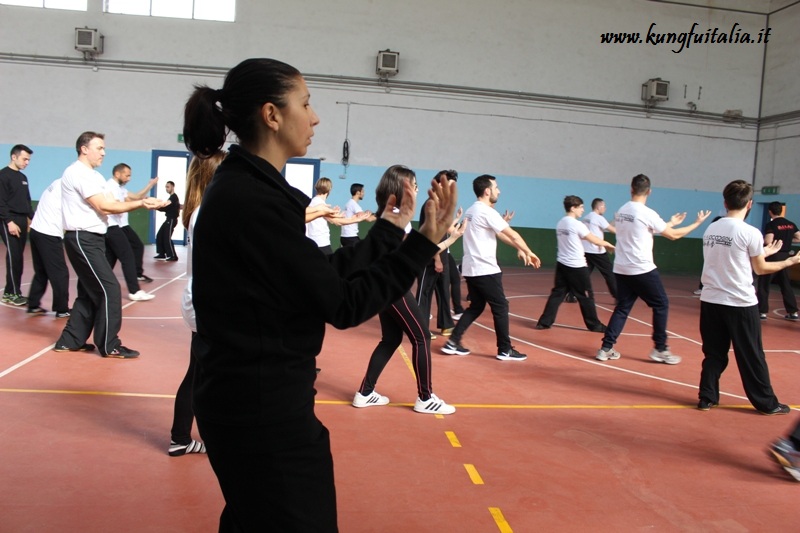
15,196
257,339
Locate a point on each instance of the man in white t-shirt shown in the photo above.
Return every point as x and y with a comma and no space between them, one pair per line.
481,271
636,273
85,208
572,273
732,251
118,247
597,256
349,236
47,253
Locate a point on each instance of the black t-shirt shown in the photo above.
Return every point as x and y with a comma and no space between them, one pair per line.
781,229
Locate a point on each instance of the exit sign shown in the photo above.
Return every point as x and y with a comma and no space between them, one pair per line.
180,140
774,189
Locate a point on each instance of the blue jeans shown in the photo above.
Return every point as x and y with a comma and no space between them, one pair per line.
649,288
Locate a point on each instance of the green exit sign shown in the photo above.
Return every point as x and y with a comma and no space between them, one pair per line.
774,189
180,140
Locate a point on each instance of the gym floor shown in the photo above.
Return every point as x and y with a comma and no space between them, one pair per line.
560,442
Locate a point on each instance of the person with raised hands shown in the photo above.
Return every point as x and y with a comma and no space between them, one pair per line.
256,348
479,267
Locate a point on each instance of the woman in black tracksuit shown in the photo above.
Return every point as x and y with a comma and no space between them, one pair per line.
256,347
403,316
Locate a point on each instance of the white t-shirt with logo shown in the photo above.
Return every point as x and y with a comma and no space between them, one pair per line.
728,245
597,224
480,240
78,183
317,230
351,209
119,193
636,224
569,234
47,219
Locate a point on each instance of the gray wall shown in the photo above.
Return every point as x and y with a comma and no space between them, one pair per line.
520,89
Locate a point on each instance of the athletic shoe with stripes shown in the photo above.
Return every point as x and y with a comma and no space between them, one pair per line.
85,348
36,311
782,409
452,347
359,400
122,353
176,449
788,457
434,406
511,355
18,300
605,355
665,356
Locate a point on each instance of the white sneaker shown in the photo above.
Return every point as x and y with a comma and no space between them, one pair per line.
434,406
359,400
665,357
141,296
457,316
605,355
698,292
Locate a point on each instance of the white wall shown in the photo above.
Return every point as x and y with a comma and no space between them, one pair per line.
547,47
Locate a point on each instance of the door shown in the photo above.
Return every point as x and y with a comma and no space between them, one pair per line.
302,174
169,166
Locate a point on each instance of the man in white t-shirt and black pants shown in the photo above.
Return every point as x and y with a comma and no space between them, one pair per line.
572,272
636,273
47,253
732,251
85,206
117,245
481,271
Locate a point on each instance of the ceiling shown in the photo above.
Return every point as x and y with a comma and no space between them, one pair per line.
764,7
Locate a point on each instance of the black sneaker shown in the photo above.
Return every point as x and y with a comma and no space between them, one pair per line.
171,259
36,311
145,279
122,353
452,347
541,326
65,314
792,316
18,300
782,409
511,355
85,348
160,257
600,328
705,405
762,316
570,298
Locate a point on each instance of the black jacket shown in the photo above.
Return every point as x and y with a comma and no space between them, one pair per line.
258,337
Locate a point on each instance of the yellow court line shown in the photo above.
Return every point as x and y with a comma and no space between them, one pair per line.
396,404
473,474
408,361
500,520
92,393
451,436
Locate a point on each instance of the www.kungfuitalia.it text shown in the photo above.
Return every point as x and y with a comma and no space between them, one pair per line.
684,40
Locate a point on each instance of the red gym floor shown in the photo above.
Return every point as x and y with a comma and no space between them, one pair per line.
559,442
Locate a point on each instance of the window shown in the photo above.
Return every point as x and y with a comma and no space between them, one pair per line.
221,10
74,5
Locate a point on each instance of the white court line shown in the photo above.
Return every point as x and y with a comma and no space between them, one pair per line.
50,347
598,363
